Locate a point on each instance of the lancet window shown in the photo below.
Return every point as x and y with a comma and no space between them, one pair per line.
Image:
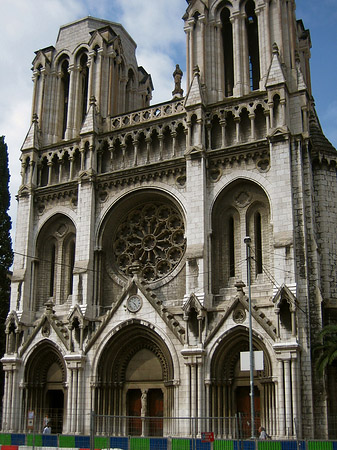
227,43
253,45
65,83
241,210
55,262
84,85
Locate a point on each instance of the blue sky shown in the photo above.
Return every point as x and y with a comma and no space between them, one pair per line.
157,28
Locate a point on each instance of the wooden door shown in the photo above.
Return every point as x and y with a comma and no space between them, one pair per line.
155,412
134,406
243,408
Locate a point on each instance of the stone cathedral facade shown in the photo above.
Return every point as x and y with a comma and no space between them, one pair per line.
130,280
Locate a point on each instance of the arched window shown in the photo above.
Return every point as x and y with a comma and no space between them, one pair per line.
194,130
227,42
226,236
216,133
276,111
43,173
51,263
241,210
231,246
70,262
253,45
65,81
260,123
84,71
258,243
129,93
56,259
245,126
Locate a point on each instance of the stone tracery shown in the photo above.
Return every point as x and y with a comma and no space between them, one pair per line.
153,235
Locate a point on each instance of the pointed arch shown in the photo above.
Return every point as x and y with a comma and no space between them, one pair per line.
45,380
230,385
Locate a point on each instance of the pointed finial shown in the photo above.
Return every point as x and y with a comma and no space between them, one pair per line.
275,49
196,70
240,285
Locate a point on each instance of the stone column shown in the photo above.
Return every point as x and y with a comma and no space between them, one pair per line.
50,170
71,103
259,11
281,411
57,129
202,20
91,66
252,126
244,55
98,84
296,398
41,84
78,100
174,143
160,138
135,151
235,20
223,124
220,59
237,120
288,399
35,79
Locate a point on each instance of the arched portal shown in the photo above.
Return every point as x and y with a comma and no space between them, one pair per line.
135,380
230,388
44,393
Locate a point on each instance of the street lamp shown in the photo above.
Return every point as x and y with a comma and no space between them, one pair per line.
248,241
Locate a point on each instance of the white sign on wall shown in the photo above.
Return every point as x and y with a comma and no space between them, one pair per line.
245,360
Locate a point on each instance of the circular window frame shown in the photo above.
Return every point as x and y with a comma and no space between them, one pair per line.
119,215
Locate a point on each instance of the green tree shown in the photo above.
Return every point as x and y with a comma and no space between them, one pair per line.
326,348
6,253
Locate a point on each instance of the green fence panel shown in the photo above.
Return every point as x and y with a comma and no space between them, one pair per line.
320,445
102,442
139,444
66,441
34,439
181,444
5,439
223,445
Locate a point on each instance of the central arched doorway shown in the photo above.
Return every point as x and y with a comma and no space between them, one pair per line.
135,374
230,388
44,393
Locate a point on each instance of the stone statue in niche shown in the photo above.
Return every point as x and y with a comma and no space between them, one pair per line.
177,75
144,402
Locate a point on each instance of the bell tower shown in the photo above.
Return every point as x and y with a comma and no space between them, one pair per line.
232,43
100,64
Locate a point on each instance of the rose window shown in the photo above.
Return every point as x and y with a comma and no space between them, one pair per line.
153,236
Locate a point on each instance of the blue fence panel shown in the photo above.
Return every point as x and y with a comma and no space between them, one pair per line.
49,440
248,445
20,439
158,444
119,442
82,441
203,445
